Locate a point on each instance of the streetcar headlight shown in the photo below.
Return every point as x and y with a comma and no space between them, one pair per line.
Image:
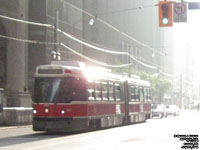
62,112
34,111
46,110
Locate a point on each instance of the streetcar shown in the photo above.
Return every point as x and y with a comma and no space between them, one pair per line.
73,98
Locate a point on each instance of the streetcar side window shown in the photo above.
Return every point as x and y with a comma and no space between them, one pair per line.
145,94
91,95
111,91
98,90
141,94
104,90
136,94
117,92
132,90
78,89
150,94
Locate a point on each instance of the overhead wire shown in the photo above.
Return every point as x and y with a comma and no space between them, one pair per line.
16,14
94,61
124,10
106,50
114,28
169,75
92,46
27,41
26,22
49,25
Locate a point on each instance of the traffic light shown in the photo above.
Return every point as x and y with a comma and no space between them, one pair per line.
165,14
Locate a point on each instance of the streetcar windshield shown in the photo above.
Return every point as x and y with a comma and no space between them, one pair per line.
59,90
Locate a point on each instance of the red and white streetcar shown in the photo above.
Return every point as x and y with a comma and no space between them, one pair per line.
69,98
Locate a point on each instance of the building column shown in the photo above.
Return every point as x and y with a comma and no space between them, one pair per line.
17,54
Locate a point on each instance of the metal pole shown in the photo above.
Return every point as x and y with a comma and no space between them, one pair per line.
181,86
56,36
129,61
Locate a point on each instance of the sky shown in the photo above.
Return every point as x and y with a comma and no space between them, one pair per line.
188,34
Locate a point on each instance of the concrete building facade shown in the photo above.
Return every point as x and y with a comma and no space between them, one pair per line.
136,22
14,66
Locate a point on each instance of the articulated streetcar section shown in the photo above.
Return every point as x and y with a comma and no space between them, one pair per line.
73,98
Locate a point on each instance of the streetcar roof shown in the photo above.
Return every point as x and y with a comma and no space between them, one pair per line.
61,70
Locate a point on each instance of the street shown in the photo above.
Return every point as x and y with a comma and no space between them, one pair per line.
155,133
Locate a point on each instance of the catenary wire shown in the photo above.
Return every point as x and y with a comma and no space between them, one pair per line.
114,28
95,61
48,25
27,22
107,51
27,41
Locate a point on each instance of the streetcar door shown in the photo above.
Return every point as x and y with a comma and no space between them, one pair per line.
126,102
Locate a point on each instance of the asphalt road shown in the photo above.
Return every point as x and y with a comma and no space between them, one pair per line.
153,134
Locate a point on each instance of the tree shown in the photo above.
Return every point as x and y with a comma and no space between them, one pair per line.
159,85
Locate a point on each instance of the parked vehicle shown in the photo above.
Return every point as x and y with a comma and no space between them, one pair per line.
172,110
159,110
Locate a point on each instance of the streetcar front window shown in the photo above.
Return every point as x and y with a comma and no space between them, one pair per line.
59,90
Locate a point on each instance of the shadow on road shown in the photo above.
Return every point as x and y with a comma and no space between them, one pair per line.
12,140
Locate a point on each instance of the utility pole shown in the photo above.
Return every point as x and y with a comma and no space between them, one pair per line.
129,61
181,90
56,53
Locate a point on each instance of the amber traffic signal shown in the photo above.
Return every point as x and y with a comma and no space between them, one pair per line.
165,14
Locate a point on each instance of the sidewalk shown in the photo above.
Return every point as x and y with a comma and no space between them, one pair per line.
14,127
16,116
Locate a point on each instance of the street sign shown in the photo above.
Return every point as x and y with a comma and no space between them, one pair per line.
193,5
180,12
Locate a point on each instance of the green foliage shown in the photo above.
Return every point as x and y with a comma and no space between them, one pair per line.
159,85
